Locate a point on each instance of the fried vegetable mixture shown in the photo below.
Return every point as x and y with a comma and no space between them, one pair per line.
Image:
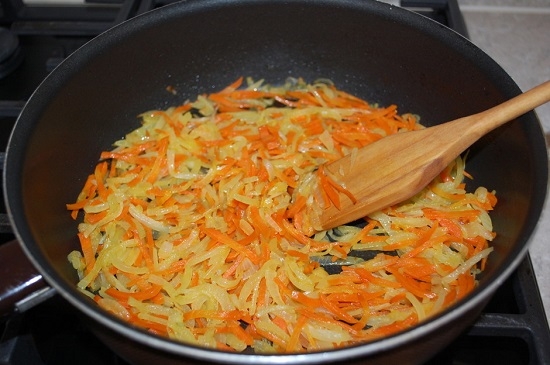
191,227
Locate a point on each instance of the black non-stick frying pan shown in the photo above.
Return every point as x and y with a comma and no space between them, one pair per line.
374,50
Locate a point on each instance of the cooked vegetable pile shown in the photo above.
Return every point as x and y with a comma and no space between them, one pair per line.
193,225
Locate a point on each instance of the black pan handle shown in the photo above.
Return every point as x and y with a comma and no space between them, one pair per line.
21,285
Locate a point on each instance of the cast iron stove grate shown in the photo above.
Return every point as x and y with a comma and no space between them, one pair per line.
513,328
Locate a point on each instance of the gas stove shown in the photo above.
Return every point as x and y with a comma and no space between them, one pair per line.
36,37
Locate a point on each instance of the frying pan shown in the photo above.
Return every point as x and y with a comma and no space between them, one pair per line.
377,51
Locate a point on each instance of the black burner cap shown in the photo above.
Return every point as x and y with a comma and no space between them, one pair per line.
10,52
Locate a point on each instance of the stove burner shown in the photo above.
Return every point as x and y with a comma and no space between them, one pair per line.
10,52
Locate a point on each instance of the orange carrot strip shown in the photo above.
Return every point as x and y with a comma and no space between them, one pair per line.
294,233
368,276
159,160
452,227
336,311
310,313
306,300
328,188
140,295
281,343
238,331
233,86
262,289
342,189
96,217
225,239
100,176
87,251
298,205
302,256
280,322
412,285
177,266
396,326
78,205
233,267
293,343
194,279
466,283
153,327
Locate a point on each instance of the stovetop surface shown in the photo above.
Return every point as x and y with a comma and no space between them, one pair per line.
512,329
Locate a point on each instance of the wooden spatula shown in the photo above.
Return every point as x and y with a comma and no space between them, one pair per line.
397,167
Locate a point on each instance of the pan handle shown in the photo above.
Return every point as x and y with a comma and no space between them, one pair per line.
21,285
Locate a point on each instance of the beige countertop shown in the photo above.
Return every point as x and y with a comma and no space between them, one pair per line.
516,34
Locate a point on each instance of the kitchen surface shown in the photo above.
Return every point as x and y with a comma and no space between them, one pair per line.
513,32
516,33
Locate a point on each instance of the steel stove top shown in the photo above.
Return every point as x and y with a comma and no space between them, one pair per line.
34,39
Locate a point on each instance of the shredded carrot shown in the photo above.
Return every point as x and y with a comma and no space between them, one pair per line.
195,225
87,250
139,295
293,343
